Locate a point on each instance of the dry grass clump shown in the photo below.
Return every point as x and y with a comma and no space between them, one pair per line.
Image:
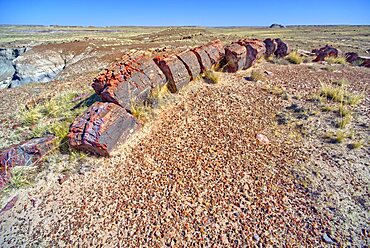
212,76
294,58
257,76
340,94
53,116
336,137
141,112
357,144
344,121
336,60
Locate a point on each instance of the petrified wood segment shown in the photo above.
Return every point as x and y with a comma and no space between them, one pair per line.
255,50
175,70
24,154
203,58
132,84
271,46
282,49
326,51
215,51
191,63
100,128
235,56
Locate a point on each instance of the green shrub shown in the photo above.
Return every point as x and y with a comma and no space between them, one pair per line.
294,58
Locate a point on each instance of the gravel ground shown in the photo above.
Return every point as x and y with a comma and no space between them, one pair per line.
195,176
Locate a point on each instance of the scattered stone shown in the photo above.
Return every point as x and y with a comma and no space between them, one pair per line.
235,56
10,204
262,139
100,128
268,73
351,57
28,153
256,237
327,239
215,51
63,178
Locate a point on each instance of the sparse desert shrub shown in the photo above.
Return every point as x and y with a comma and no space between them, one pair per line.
140,112
354,99
19,179
343,111
294,58
336,60
357,144
333,93
159,92
257,76
212,76
344,121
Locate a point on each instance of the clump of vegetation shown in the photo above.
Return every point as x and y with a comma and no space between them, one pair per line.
336,60
295,58
328,68
357,144
19,179
212,76
340,94
336,137
257,76
344,121
52,116
140,112
159,92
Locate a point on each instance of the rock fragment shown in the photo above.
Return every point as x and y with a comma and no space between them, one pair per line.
255,50
203,58
191,63
100,128
28,153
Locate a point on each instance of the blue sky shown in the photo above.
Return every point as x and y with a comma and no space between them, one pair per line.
179,13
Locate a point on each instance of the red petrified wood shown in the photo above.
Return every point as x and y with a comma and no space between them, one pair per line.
215,51
191,63
282,49
271,46
28,153
175,70
326,51
235,57
203,58
100,128
255,50
130,83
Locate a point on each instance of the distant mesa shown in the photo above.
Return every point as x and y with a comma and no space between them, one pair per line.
275,25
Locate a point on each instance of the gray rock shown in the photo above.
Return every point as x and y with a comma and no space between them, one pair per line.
6,73
37,67
327,239
256,237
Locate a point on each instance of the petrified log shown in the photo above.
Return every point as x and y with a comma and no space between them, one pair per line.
255,50
235,57
133,83
203,58
282,49
100,128
326,51
271,46
215,51
351,57
27,153
191,63
175,70
366,63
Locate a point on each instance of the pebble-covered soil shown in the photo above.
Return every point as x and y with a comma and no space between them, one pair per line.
198,176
